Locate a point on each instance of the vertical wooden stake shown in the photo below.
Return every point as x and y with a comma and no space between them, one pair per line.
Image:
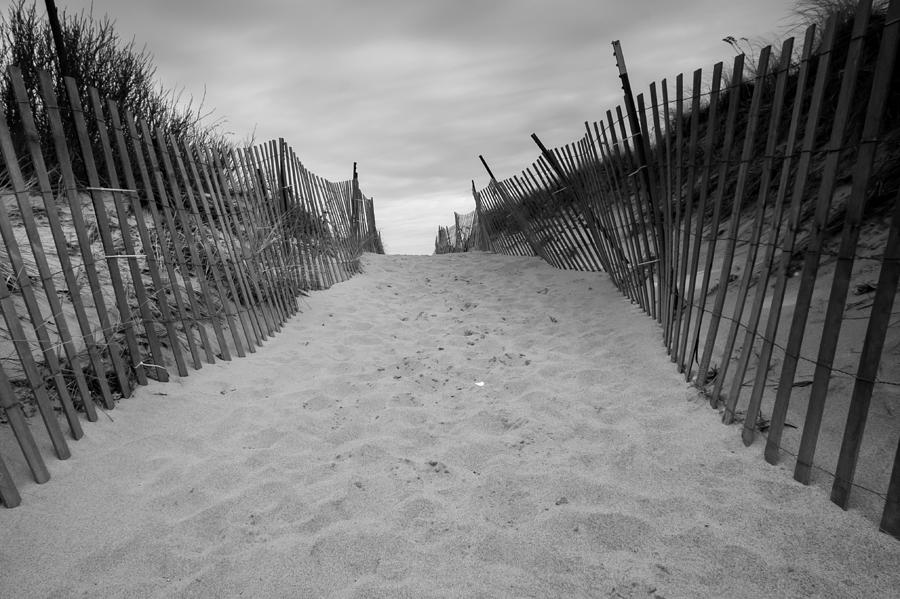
9,495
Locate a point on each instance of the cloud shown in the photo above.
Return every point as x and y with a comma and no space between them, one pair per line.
415,90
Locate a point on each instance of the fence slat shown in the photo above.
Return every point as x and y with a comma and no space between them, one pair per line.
684,205
664,193
890,520
19,425
685,225
9,494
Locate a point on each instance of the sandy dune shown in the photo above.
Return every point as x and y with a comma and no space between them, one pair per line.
466,425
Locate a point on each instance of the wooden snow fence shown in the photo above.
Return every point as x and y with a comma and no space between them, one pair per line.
171,256
729,208
465,235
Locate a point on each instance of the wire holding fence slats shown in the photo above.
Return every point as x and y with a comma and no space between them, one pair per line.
687,201
166,254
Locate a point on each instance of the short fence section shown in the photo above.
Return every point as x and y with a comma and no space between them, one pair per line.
171,256
755,214
465,235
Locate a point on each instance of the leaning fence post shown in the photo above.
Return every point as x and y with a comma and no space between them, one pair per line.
354,206
638,135
890,519
56,30
22,430
282,179
9,495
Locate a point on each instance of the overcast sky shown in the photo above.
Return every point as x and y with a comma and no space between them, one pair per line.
415,90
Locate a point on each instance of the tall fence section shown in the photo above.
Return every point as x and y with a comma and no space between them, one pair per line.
755,214
172,256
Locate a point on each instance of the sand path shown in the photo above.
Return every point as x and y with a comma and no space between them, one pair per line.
358,454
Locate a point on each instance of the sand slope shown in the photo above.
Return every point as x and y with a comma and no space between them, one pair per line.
356,455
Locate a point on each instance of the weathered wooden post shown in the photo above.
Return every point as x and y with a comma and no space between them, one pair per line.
56,29
640,147
282,175
354,206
